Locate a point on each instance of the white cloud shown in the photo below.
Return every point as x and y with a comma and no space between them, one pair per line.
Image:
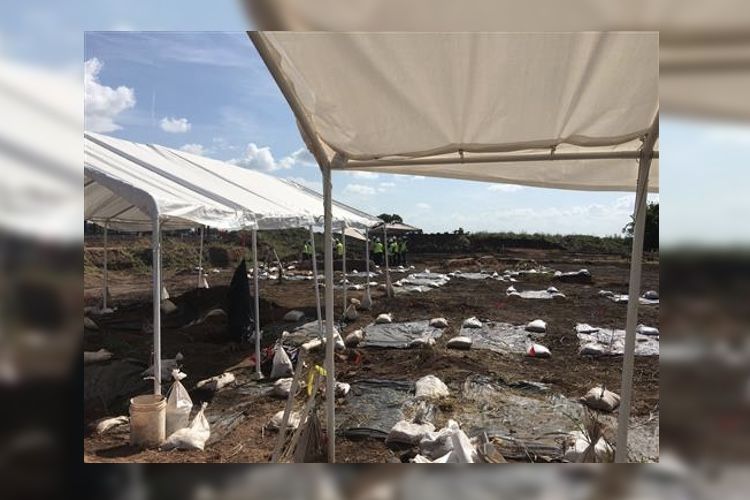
506,188
261,158
363,174
359,189
387,184
196,149
423,206
102,104
175,125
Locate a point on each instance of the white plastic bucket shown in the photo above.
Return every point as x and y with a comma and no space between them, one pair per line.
148,420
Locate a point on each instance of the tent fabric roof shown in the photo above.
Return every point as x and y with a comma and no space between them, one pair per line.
477,106
397,227
128,184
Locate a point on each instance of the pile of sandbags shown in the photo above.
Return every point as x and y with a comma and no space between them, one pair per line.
448,445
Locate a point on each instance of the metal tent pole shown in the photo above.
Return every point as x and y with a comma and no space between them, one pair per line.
317,282
330,342
200,259
343,265
257,303
634,292
367,261
106,274
156,271
388,289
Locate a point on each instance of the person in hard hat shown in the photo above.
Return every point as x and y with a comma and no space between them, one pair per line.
377,251
393,252
307,251
402,251
339,249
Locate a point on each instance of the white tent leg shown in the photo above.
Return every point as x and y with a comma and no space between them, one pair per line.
200,260
156,270
257,303
343,266
388,288
634,292
330,342
105,277
367,262
317,283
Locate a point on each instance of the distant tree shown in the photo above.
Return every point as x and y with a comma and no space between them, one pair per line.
651,229
389,218
460,230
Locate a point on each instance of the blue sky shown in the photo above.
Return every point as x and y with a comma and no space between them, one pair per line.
210,93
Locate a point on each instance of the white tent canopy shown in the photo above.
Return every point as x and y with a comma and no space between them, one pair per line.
558,110
409,103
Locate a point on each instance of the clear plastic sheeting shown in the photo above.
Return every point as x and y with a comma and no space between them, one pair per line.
400,335
595,341
501,337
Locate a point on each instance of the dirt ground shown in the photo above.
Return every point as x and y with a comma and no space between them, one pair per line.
207,352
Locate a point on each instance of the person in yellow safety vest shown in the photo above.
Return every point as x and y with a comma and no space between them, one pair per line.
402,251
377,252
393,252
339,249
307,251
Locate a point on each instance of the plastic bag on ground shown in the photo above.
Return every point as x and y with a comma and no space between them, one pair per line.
216,382
431,387
601,399
179,405
106,424
282,387
384,318
292,422
193,437
282,365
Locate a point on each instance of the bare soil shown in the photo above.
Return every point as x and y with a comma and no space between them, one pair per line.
207,352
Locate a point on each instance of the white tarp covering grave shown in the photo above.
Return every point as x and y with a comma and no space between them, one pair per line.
400,335
501,337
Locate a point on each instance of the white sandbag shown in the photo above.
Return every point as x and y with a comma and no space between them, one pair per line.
90,357
168,307
459,342
89,324
577,443
282,387
354,338
291,424
472,322
384,318
421,342
537,326
351,313
203,282
431,387
601,399
167,365
552,290
647,330
511,289
164,293
585,328
312,344
463,451
216,382
538,351
106,424
405,432
592,349
216,313
193,437
355,302
438,444
342,389
651,295
179,405
282,365
439,323
606,293
293,316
